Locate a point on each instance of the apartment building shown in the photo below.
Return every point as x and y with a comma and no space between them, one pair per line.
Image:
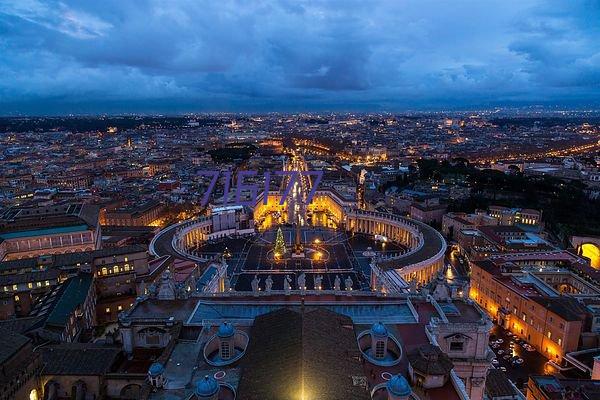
528,307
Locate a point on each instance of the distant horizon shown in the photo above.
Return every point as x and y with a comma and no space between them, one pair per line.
551,110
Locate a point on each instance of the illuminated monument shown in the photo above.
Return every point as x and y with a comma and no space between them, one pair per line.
329,240
298,247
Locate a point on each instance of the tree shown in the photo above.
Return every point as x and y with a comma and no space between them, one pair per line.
279,244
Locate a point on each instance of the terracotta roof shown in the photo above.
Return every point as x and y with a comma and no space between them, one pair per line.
497,384
430,360
565,307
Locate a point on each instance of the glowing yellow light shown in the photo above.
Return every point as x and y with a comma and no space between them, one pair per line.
591,251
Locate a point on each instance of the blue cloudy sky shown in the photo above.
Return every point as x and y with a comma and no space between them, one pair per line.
227,55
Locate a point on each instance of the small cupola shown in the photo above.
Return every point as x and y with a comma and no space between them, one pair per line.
156,375
207,388
379,340
398,388
226,333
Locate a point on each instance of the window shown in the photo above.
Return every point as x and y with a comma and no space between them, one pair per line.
38,284
153,339
559,341
47,283
225,353
549,335
457,346
104,271
17,298
14,287
30,285
119,308
379,349
108,310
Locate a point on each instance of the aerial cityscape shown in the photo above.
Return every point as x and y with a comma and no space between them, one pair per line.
269,201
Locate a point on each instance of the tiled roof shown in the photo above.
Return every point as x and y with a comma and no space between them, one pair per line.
430,360
567,308
74,294
497,384
10,343
289,347
78,359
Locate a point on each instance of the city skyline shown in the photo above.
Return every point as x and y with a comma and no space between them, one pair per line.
300,200
78,58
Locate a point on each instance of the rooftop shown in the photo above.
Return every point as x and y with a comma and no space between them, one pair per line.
78,359
10,343
301,351
75,293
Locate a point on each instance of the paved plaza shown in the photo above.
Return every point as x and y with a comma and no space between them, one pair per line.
327,252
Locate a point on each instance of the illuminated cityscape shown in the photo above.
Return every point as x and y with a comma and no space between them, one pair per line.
327,228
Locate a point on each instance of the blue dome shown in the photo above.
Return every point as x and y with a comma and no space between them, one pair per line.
206,387
398,386
225,330
379,329
156,369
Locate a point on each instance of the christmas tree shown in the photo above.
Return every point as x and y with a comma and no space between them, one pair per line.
279,244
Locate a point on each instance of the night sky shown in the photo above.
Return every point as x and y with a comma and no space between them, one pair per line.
256,56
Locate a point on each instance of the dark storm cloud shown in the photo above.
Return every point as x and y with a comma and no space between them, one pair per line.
186,55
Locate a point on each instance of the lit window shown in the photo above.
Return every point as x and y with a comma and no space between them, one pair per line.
104,271
38,284
549,335
14,287
559,341
47,283
17,298
108,310
126,259
119,308
30,285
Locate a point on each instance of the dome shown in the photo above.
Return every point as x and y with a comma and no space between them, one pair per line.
225,330
398,386
206,387
156,369
379,329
